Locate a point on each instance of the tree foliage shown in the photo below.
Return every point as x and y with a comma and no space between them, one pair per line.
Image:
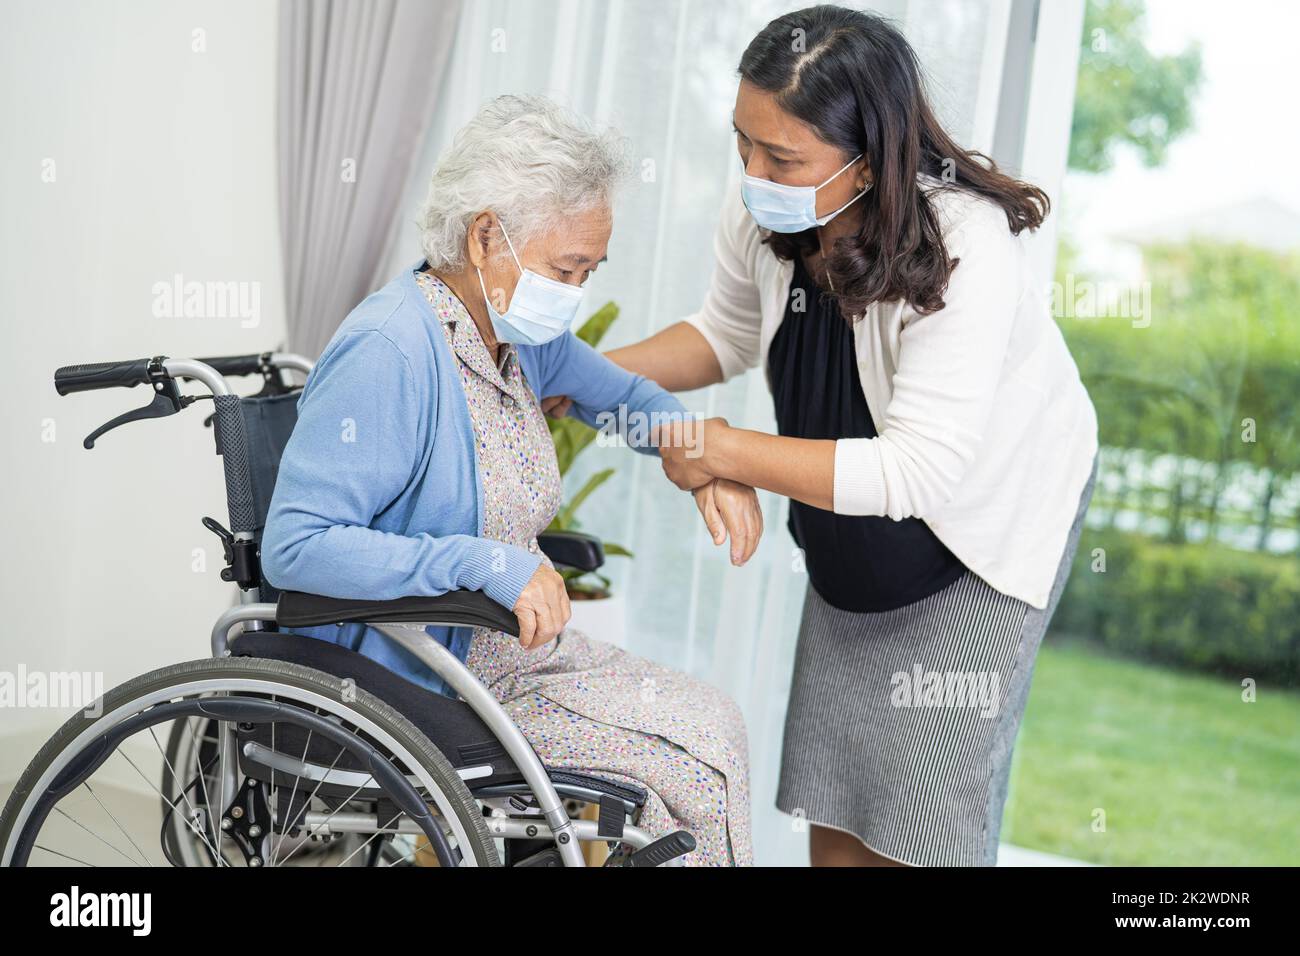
1126,94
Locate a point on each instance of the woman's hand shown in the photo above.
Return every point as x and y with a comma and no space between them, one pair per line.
542,608
730,508
556,406
684,447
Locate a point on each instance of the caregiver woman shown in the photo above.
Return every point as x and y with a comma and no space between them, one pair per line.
935,440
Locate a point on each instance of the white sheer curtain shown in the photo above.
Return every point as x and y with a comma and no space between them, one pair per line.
665,73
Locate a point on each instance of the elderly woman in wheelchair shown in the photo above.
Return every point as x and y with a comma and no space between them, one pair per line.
421,463
398,674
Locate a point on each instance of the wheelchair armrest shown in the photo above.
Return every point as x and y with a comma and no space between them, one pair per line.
458,608
572,549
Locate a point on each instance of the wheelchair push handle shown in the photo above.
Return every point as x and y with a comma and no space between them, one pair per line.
272,366
265,363
160,374
234,366
85,378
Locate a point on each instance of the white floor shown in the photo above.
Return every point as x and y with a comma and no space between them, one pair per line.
1009,855
138,815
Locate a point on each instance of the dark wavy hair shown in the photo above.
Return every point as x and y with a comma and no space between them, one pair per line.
854,79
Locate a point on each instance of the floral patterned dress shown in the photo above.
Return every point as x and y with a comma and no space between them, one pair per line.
583,704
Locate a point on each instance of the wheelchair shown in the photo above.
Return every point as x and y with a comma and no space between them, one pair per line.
288,750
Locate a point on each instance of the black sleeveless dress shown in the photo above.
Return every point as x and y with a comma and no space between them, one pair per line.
856,563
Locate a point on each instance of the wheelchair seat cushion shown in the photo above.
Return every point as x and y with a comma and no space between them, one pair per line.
451,725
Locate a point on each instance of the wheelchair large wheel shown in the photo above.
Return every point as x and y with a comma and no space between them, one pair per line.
266,764
191,767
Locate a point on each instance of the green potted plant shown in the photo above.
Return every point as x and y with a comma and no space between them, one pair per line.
595,609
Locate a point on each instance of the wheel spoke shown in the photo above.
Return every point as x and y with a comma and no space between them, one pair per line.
203,782
316,790
171,804
71,819
86,784
274,801
379,832
221,814
66,857
410,854
170,769
293,793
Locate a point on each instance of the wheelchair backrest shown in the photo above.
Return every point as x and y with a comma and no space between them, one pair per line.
267,424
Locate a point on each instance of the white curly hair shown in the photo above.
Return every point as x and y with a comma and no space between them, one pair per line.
527,159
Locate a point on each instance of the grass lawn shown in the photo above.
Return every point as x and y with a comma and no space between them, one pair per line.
1186,773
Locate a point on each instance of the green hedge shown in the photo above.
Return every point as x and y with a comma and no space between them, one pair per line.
1222,345
1202,606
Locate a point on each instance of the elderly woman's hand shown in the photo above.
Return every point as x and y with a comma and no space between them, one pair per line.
730,508
542,608
684,446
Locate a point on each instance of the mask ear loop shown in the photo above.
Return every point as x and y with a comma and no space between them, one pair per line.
841,169
820,248
518,264
829,216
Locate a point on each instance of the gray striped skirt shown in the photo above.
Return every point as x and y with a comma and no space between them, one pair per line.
901,723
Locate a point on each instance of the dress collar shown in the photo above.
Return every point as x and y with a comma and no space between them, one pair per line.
465,339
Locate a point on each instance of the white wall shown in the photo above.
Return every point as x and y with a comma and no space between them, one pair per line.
164,163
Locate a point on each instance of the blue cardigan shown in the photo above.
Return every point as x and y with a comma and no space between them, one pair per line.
379,494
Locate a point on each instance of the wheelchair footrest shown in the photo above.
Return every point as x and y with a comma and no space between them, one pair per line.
662,850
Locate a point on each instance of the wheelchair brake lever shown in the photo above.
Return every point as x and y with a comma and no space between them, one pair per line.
227,539
167,400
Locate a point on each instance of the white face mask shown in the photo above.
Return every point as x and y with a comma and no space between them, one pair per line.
781,208
540,310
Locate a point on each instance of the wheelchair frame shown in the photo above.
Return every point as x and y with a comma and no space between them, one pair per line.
406,628
565,832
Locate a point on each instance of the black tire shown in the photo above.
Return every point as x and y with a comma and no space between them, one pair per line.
465,808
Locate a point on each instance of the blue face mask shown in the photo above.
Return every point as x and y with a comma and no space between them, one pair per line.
781,208
540,310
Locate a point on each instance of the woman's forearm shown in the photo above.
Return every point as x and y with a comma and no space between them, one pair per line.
799,468
679,358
